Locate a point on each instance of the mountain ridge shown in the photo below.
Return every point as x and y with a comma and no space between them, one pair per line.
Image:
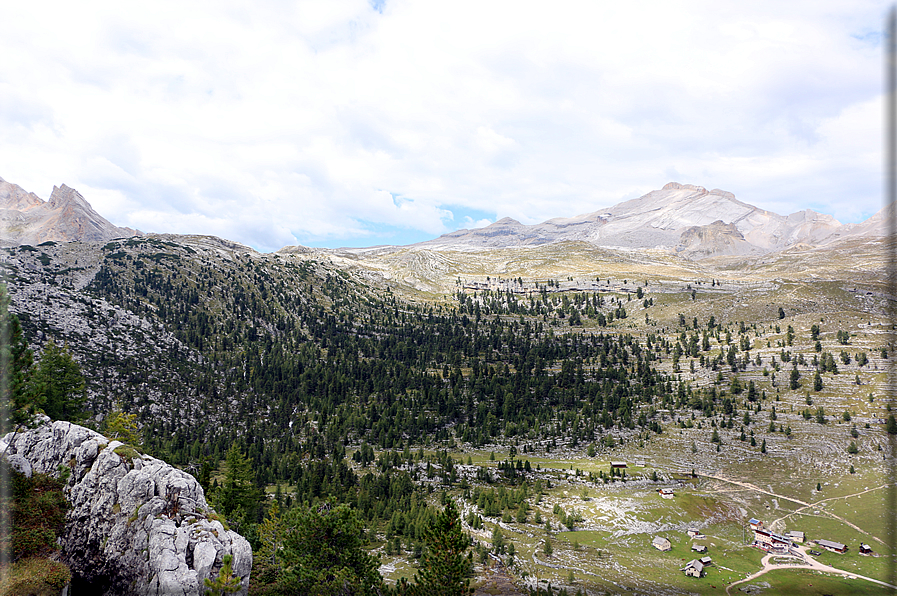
683,218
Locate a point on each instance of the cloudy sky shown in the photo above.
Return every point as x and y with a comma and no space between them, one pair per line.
357,122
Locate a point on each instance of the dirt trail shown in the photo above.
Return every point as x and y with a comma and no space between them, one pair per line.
806,505
816,504
809,563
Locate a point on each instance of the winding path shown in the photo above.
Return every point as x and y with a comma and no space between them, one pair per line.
835,516
809,563
806,505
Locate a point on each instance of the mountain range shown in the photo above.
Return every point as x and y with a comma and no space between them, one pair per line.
688,219
684,219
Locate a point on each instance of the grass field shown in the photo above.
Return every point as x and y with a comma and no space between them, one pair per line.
804,582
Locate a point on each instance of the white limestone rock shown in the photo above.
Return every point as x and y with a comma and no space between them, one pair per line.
136,524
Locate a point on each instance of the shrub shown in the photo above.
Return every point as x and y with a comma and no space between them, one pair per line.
36,576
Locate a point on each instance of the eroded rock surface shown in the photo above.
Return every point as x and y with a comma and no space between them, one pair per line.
137,525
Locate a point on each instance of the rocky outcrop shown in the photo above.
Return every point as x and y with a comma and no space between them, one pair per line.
66,217
136,524
715,239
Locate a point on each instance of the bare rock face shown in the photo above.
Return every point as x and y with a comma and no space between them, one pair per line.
136,525
66,217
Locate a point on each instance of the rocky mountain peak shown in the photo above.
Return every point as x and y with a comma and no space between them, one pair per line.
26,219
65,195
13,196
677,186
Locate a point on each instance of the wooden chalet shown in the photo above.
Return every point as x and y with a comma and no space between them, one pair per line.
835,547
865,549
706,561
698,548
693,533
618,464
755,523
661,543
666,493
694,568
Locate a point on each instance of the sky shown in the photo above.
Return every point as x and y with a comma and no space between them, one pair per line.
359,123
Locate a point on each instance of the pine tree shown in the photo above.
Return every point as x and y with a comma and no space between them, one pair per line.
795,376
444,567
16,360
237,491
324,555
59,384
122,427
225,583
891,426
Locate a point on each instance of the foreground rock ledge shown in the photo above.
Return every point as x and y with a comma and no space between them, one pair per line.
136,525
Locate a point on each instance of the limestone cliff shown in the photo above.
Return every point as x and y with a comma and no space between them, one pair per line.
136,525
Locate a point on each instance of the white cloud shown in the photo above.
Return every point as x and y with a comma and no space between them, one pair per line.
470,223
287,122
